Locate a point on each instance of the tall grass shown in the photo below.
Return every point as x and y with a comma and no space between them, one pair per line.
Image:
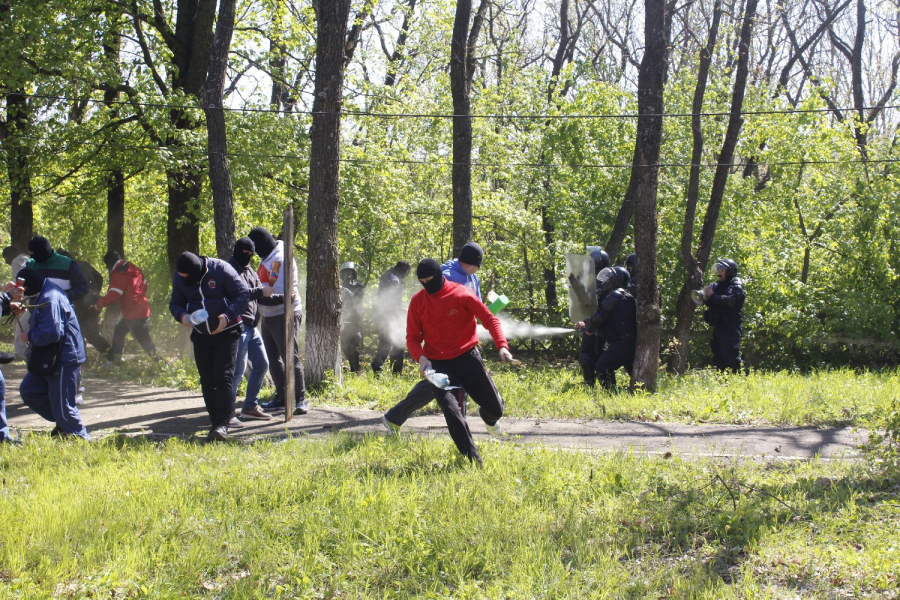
371,517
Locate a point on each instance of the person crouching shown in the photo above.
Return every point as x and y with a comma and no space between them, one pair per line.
56,355
212,285
442,316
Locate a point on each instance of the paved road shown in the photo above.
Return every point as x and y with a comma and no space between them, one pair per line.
131,408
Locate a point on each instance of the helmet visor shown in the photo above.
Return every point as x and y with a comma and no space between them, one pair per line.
605,275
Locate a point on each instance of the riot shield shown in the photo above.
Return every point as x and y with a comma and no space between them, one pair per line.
582,287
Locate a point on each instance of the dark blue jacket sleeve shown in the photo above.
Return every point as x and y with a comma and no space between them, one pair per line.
733,297
236,292
79,287
178,301
47,325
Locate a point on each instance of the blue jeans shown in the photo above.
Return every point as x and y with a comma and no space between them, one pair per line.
251,343
53,398
4,424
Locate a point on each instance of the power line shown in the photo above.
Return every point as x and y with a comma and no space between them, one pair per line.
451,116
203,154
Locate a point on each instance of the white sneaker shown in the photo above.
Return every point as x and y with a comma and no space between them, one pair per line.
391,427
495,430
79,399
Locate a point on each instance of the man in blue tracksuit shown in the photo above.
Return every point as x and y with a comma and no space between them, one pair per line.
53,322
459,270
5,357
212,285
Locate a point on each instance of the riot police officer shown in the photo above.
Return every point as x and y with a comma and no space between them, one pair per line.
616,321
352,293
631,267
592,345
724,302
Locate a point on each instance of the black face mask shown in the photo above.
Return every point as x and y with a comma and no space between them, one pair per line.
243,251
263,240
430,268
33,281
191,265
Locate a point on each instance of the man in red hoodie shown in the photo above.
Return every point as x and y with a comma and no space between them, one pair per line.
128,289
443,317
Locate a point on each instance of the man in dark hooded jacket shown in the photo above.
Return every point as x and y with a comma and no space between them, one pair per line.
724,301
88,315
209,297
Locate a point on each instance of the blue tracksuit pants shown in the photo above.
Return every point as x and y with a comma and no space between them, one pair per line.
53,398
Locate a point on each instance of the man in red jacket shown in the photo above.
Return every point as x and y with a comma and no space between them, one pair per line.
443,317
128,289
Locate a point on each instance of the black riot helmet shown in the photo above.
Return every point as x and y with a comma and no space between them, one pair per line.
631,263
729,266
613,278
601,258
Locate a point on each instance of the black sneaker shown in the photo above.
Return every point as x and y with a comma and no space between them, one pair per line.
235,423
302,407
55,432
274,405
217,434
6,357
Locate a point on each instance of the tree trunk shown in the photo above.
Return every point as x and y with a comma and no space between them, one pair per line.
18,169
645,174
115,211
684,307
462,128
182,229
323,297
219,172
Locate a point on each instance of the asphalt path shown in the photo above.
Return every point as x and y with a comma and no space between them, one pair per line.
127,408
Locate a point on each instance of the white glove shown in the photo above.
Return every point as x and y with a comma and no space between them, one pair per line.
505,355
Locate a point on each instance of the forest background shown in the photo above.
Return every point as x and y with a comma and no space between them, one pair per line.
107,144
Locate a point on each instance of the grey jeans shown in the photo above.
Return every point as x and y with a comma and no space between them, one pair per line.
273,338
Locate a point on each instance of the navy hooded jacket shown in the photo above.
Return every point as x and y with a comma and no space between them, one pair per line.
221,291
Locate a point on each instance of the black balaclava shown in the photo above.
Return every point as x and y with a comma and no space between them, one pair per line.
190,264
10,253
33,279
241,249
40,248
471,254
401,269
111,258
263,240
429,267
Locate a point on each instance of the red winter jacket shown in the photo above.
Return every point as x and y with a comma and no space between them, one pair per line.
446,322
127,287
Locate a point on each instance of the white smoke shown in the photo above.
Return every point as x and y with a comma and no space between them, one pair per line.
513,329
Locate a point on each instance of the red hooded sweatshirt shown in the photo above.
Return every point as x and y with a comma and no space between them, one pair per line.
127,287
445,321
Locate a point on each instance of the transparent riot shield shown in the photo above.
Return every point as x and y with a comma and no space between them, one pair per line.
582,287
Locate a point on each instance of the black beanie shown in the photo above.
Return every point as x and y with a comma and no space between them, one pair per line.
40,248
111,258
191,265
242,247
262,240
428,267
471,254
33,279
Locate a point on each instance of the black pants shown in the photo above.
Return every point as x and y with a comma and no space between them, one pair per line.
214,355
139,330
89,321
467,370
273,339
617,354
591,351
419,397
726,347
388,351
351,340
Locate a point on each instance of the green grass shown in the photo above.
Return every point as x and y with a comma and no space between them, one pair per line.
821,398
372,517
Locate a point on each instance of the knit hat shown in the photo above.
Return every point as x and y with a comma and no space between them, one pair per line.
471,254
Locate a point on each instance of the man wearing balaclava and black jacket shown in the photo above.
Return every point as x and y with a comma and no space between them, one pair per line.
271,257
50,386
442,317
251,342
211,285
